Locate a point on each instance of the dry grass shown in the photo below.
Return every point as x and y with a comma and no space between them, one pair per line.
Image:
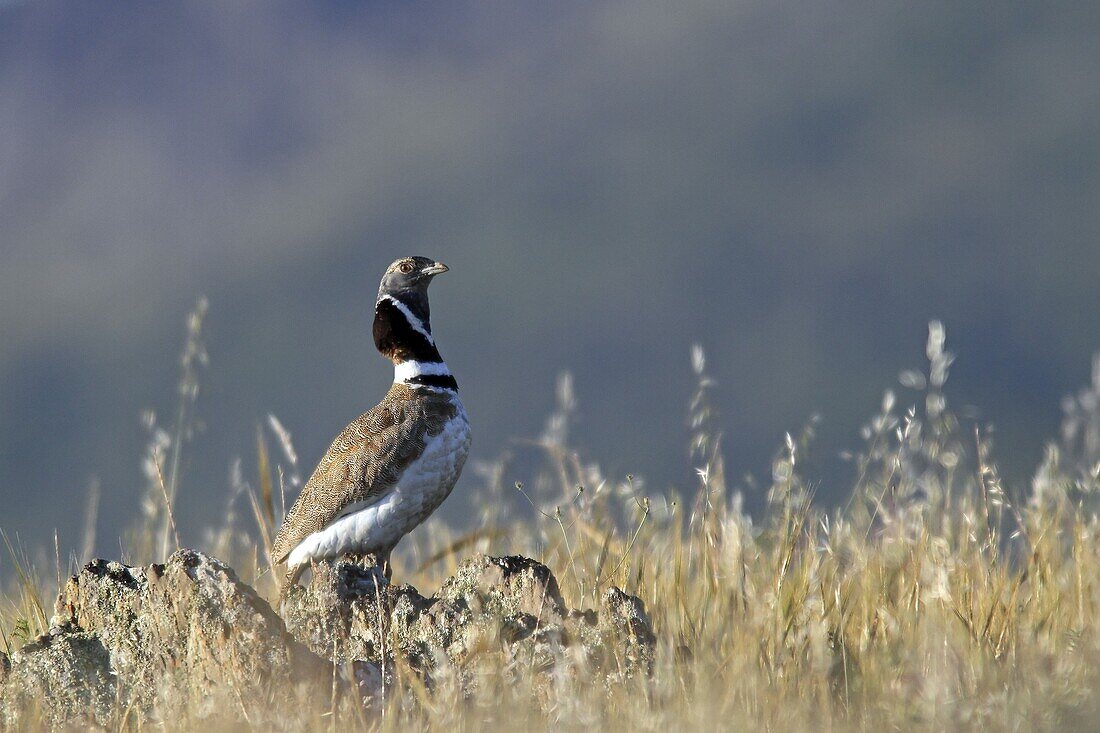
934,599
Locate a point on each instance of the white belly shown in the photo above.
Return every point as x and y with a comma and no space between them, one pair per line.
378,524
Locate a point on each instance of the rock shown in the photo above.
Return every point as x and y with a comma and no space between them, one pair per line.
187,635
500,603
350,612
492,605
506,587
188,640
60,679
626,629
337,615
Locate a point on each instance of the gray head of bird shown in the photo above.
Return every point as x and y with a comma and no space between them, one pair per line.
407,280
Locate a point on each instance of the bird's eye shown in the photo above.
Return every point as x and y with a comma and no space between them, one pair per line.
406,267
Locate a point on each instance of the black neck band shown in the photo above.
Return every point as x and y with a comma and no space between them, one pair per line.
444,381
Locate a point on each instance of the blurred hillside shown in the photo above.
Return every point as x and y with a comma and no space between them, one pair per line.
799,187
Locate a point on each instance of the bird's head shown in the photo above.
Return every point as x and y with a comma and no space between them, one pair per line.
408,278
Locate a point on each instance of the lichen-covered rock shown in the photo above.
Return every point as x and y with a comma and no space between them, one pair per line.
506,587
491,605
188,639
343,614
187,635
509,603
627,632
61,679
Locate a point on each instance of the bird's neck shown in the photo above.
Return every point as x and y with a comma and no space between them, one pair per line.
403,334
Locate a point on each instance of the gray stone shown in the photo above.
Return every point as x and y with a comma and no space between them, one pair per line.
61,679
506,587
342,614
187,639
491,605
188,635
627,632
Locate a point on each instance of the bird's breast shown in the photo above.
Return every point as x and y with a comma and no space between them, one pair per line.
379,523
430,477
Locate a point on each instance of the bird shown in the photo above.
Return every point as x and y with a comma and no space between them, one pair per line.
388,470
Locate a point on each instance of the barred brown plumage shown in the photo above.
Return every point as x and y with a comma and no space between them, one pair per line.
365,460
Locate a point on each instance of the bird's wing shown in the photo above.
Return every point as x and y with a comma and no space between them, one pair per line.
364,462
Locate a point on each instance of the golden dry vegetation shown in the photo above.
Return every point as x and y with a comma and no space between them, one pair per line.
935,598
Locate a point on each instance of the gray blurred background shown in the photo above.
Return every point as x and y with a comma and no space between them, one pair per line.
799,187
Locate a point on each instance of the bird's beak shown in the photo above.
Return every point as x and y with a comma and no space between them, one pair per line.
436,269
